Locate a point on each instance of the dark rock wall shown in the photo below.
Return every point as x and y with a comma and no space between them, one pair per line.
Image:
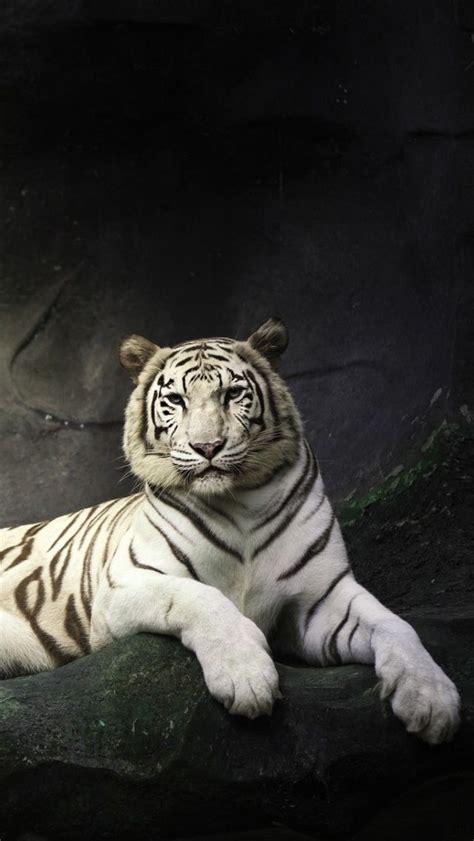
188,169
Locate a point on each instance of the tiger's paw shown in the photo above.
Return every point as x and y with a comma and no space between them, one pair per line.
424,698
242,676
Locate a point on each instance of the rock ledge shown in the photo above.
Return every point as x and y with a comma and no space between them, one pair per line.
128,743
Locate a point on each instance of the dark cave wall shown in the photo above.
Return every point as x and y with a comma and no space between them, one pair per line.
189,170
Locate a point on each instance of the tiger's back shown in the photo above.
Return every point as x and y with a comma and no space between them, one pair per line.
49,574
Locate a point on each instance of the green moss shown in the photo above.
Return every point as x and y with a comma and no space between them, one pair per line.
8,704
432,453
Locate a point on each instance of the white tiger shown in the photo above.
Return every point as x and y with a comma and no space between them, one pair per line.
232,542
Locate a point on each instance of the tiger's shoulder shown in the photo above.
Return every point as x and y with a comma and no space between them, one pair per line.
40,541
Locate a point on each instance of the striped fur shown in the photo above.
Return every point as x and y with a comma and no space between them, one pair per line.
231,545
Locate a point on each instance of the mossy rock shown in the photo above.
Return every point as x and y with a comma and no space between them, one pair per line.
127,743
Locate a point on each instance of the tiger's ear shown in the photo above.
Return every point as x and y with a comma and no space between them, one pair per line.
271,340
134,353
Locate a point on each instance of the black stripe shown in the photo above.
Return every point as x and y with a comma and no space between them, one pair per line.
110,581
308,485
242,423
260,420
136,562
69,525
86,583
332,652
100,522
271,398
219,513
34,529
177,552
144,412
113,524
57,580
101,515
24,554
217,356
312,551
197,522
188,372
183,361
9,548
167,521
49,643
75,628
329,590
289,495
352,634
314,511
188,347
153,410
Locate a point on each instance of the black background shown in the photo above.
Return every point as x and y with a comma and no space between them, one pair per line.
188,169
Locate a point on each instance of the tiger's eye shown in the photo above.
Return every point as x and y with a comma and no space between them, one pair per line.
234,392
176,399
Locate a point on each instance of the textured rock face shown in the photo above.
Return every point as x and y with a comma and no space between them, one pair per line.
128,741
413,548
187,180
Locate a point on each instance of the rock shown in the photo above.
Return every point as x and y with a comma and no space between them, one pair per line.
128,742
412,545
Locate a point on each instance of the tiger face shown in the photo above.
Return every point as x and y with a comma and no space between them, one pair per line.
209,415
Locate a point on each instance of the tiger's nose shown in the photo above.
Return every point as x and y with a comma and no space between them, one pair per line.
208,449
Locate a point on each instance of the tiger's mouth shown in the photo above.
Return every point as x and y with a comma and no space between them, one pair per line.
209,472
212,480
212,471
208,479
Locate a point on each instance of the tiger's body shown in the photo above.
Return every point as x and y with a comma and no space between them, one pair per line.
232,543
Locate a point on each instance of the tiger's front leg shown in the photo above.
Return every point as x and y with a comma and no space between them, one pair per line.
232,650
346,624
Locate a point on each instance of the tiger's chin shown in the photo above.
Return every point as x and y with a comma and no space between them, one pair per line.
212,482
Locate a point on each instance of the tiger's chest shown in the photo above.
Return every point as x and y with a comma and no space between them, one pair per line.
217,553
233,549
250,585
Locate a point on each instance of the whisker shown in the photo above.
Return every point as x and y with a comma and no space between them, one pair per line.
157,455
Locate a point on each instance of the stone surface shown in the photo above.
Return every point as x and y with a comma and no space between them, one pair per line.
128,741
413,547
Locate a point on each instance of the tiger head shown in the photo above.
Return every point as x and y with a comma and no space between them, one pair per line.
210,415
